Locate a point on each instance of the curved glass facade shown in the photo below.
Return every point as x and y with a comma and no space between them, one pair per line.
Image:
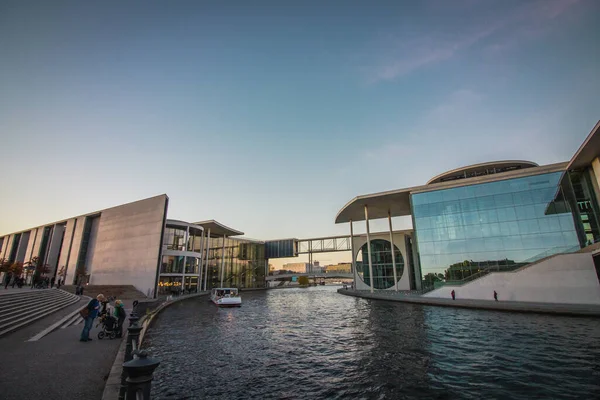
244,263
381,260
500,225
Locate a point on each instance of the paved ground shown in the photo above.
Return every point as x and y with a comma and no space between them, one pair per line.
517,306
58,366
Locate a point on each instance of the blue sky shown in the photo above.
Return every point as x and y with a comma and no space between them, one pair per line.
270,116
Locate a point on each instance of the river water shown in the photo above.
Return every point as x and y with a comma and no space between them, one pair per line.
317,344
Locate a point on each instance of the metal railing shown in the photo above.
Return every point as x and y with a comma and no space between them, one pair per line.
138,368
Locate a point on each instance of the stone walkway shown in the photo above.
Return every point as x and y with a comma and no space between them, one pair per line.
58,366
515,306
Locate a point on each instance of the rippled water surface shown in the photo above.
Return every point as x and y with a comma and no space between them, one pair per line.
317,344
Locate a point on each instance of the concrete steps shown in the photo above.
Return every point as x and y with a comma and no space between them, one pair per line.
24,307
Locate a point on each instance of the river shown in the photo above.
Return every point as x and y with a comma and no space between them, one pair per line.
317,344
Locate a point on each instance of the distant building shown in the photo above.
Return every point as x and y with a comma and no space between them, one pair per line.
298,267
340,267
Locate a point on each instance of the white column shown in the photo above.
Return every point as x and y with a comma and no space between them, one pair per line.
393,252
206,258
201,259
369,247
223,261
185,248
353,255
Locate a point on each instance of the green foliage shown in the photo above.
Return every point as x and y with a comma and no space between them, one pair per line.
303,280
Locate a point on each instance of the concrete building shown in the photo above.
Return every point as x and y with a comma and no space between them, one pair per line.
339,267
136,244
298,267
509,226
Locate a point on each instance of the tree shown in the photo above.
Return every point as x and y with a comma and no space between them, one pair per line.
303,280
30,266
16,268
4,265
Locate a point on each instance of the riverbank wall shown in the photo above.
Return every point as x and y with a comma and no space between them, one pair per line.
111,390
586,310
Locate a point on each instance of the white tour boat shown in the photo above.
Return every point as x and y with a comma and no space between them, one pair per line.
226,297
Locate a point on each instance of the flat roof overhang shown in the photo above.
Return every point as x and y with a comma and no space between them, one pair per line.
588,151
398,201
194,228
217,229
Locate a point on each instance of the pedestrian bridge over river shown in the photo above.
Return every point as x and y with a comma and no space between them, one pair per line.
282,277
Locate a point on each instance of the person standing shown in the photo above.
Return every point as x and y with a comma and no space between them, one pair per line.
52,282
120,314
91,312
453,294
7,280
495,295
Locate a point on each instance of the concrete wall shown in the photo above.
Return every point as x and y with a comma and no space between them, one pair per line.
565,278
128,244
33,238
75,245
399,242
64,251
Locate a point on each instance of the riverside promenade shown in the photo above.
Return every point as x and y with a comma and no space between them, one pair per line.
588,310
57,365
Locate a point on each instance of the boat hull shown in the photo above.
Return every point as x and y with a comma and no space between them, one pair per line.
230,302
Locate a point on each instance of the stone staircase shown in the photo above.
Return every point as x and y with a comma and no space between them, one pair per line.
123,292
22,307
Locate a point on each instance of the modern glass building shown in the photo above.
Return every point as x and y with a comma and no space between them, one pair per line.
496,216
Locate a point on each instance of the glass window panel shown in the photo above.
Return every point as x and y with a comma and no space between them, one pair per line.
451,194
468,204
506,214
570,239
471,218
423,223
486,203
566,222
503,200
488,216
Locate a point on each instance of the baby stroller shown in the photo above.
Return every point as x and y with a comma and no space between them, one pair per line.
109,327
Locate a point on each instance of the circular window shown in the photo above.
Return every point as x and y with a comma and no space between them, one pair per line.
381,260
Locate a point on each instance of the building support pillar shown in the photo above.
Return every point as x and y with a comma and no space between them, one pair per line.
393,251
353,255
206,258
223,261
369,248
199,287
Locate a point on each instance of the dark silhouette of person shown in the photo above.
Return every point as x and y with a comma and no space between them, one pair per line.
453,295
495,295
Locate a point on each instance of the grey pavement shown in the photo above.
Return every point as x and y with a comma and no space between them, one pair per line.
515,306
58,366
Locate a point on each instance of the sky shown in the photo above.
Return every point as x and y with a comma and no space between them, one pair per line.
270,116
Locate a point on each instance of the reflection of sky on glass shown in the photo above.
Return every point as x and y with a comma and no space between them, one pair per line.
520,220
270,117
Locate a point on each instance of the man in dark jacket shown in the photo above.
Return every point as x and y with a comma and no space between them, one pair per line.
92,312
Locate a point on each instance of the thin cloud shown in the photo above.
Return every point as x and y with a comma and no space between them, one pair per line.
404,56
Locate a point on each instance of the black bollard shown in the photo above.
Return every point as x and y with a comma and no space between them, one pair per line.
139,375
133,333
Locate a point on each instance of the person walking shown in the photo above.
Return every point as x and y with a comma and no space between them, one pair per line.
89,313
453,294
495,295
7,280
52,282
120,314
